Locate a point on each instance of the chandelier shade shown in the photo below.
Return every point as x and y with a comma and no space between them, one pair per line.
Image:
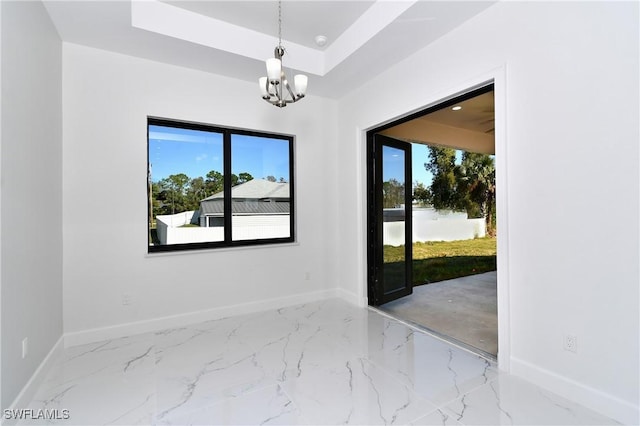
300,83
274,69
275,87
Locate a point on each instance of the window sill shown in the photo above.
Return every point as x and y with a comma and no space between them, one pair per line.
221,249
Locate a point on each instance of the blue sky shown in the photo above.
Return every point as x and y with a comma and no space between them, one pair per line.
419,156
195,153
393,166
259,156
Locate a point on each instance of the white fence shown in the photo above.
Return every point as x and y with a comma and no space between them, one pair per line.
170,231
428,225
432,225
243,228
258,227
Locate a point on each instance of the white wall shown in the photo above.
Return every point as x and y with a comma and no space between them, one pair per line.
31,171
107,98
571,92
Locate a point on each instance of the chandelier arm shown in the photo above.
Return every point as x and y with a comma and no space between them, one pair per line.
268,95
293,96
278,89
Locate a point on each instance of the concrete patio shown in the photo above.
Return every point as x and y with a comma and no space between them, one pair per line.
463,309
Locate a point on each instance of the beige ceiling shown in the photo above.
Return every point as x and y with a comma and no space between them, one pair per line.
469,129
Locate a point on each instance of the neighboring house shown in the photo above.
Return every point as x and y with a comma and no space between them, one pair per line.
257,197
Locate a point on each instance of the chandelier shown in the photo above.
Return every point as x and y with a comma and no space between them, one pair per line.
275,87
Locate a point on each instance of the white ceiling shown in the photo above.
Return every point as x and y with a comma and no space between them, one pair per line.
262,16
233,38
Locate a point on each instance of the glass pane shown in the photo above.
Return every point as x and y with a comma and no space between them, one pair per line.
393,239
260,188
185,186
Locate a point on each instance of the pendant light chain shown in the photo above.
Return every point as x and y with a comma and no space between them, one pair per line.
280,23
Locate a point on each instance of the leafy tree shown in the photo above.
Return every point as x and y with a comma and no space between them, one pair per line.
179,181
421,193
244,177
178,193
214,182
392,194
195,192
469,186
442,165
174,188
157,199
271,178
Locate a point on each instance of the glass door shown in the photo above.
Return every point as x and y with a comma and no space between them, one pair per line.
390,236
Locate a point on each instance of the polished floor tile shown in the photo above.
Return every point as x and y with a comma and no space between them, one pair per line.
320,363
509,400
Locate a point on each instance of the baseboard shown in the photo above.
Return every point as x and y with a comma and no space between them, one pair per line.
606,404
27,393
351,298
128,329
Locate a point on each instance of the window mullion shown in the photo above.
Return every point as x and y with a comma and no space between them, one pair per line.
226,150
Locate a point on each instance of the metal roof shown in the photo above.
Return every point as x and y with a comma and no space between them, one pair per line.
216,207
256,189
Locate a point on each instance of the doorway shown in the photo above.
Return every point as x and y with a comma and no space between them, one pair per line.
461,307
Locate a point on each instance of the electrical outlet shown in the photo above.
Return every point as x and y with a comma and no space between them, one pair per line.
307,276
25,347
126,299
570,343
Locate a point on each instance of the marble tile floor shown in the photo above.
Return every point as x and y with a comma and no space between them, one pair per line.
321,363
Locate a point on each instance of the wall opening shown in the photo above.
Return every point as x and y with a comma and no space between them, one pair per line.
452,217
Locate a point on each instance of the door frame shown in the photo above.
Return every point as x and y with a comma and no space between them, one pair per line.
497,76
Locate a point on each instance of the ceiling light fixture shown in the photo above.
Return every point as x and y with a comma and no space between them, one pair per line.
320,40
457,108
275,87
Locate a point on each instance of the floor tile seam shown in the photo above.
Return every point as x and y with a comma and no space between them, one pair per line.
184,413
270,381
152,413
444,404
110,371
257,348
302,417
349,349
388,376
437,409
412,421
410,388
455,416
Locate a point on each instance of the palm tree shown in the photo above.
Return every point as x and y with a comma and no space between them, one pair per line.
477,178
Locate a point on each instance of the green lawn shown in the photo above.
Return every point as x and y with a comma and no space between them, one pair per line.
444,260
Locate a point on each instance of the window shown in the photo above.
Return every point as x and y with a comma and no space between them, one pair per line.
211,186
